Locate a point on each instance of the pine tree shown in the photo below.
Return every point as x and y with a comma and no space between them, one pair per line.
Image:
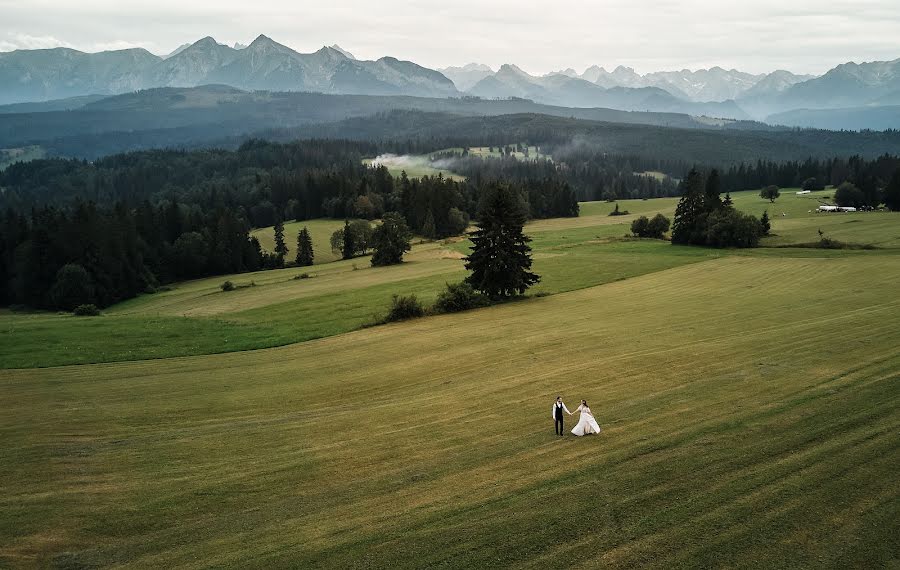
428,229
281,248
349,247
689,225
711,200
501,257
305,252
764,223
728,202
390,240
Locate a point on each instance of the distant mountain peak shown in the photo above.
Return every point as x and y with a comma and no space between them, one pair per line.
177,51
511,68
343,52
239,46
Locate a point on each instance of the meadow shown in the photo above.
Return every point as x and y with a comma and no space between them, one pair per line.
197,317
749,399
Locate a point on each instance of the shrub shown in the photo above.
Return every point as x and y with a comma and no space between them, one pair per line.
731,228
658,226
73,287
302,276
639,226
848,194
770,193
655,228
227,286
812,184
403,308
459,297
86,310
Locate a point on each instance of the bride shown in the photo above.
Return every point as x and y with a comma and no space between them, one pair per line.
586,423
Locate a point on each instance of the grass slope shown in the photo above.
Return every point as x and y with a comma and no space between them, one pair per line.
570,253
319,230
750,408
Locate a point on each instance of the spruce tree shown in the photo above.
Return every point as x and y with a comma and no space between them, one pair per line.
500,261
711,200
765,223
428,228
304,248
281,248
349,247
728,202
689,226
390,240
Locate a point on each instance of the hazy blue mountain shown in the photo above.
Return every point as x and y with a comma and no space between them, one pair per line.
177,50
847,85
563,89
67,104
851,119
467,76
189,67
41,75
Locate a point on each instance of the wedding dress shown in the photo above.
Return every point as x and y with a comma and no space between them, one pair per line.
586,423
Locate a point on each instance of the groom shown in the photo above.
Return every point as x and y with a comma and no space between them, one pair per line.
558,409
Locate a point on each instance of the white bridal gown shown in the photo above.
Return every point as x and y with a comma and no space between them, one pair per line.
586,423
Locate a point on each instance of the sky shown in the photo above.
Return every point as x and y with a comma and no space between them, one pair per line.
803,36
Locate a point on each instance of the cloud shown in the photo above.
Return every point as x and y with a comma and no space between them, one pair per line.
14,41
648,35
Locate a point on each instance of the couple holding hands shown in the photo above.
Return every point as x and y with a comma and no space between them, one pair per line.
586,423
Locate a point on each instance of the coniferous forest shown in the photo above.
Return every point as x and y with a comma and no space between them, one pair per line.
77,232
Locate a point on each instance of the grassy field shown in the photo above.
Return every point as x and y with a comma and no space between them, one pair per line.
750,407
197,317
319,230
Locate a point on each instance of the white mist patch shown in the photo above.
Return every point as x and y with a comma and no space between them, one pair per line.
399,161
415,166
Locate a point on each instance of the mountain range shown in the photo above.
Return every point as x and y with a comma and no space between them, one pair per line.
265,65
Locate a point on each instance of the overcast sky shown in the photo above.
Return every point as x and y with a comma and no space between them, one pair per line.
804,36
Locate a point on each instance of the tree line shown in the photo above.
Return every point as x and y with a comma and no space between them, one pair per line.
108,230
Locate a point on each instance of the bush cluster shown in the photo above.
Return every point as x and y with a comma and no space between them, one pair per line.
459,297
654,228
86,310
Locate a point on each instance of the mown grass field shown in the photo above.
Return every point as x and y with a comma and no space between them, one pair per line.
750,407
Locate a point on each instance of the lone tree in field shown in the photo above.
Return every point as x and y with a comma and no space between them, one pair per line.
765,224
390,240
689,225
304,248
281,248
770,193
501,257
349,247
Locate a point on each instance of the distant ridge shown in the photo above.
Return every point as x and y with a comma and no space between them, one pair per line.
61,73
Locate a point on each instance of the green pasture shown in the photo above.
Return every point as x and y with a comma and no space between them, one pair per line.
197,317
319,230
750,407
